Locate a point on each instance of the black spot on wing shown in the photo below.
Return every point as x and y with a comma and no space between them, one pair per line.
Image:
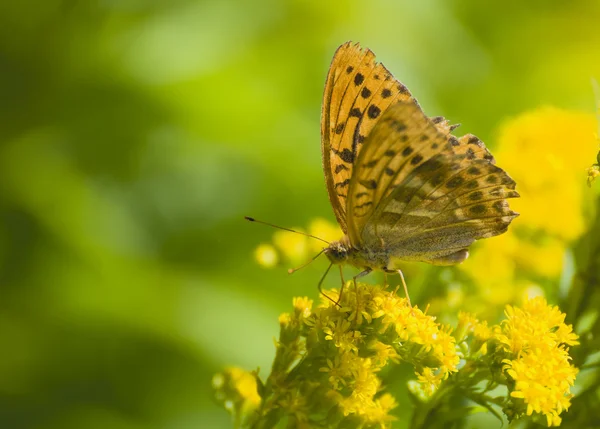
477,209
373,111
507,181
438,179
369,184
342,184
355,112
455,182
416,159
340,167
429,165
358,79
398,125
499,205
472,184
402,89
476,196
346,155
368,203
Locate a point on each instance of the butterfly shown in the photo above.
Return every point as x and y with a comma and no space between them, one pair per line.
402,187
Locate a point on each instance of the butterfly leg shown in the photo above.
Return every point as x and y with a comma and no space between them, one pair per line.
342,288
405,288
358,276
321,284
385,282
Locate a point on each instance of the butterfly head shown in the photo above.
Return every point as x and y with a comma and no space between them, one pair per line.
338,251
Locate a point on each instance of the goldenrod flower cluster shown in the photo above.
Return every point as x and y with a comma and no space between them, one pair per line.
528,353
539,370
329,359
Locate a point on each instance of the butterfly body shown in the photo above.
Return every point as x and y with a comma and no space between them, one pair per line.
402,187
342,252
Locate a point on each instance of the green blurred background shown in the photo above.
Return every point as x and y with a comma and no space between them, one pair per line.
134,137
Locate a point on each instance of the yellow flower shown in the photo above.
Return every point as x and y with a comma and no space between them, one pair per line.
338,369
241,383
429,381
293,246
466,325
245,384
482,331
327,364
545,151
302,307
592,173
536,325
383,353
422,340
342,335
285,319
535,339
379,412
542,379
266,255
416,327
324,229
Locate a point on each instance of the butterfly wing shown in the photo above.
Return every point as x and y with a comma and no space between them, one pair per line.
422,194
358,91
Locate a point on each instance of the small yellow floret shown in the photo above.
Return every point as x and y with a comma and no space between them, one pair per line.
592,173
324,229
266,255
293,246
245,384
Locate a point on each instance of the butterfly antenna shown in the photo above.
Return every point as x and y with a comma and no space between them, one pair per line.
293,270
251,219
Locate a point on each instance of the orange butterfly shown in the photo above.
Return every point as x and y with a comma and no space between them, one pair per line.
402,187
